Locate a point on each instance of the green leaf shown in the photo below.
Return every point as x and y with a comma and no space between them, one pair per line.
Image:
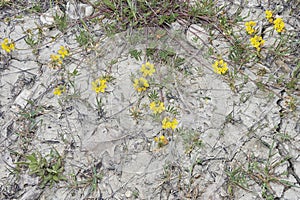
51,171
32,157
55,178
153,96
135,54
109,4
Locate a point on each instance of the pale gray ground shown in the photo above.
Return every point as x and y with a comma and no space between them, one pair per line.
234,127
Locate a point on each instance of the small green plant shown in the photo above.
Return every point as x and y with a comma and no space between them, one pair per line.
100,107
61,22
172,110
293,82
50,170
94,179
191,139
84,38
28,119
88,178
4,3
135,194
236,178
135,113
135,54
99,86
153,95
30,40
36,8
33,38
71,77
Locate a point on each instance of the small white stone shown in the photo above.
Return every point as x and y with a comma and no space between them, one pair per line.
88,10
253,3
176,26
128,194
21,99
133,157
196,35
71,10
78,11
47,18
277,188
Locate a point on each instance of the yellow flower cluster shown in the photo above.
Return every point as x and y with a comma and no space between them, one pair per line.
269,16
249,27
63,52
157,107
99,85
147,69
59,90
57,59
161,141
220,67
279,25
140,84
278,22
257,42
7,45
167,123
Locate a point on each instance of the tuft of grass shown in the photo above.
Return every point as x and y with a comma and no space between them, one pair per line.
167,57
260,171
236,178
87,179
138,14
28,121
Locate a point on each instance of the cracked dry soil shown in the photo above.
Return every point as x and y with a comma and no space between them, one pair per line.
239,131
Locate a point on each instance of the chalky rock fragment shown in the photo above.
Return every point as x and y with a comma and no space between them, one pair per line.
47,18
197,36
76,11
128,194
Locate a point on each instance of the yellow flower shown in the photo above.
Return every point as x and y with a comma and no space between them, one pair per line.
174,124
279,25
59,90
63,52
162,140
220,67
157,107
249,27
56,59
147,69
269,15
257,42
99,85
140,84
167,123
7,46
